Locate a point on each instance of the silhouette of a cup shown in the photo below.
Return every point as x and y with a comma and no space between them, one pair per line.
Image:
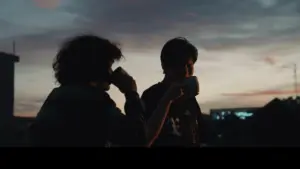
191,88
117,74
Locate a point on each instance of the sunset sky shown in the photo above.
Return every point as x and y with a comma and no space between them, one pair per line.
246,47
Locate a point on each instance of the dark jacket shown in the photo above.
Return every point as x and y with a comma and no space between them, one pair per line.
85,116
183,125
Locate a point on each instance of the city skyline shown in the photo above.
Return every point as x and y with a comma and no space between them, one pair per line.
242,44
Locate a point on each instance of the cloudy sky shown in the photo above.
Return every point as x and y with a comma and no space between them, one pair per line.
246,47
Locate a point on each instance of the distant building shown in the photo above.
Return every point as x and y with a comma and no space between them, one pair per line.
12,129
242,113
7,78
233,126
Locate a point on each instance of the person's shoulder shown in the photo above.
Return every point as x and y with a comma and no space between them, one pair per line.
194,103
79,98
153,90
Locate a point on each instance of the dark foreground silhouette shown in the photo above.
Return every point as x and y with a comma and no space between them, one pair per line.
275,124
80,112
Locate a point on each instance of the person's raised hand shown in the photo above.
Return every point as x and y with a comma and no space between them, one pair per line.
175,91
123,81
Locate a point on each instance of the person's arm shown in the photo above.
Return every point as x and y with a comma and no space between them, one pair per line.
132,123
133,106
155,123
127,85
132,129
128,129
134,111
157,111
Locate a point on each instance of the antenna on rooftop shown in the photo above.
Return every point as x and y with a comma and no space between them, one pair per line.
295,80
14,47
294,65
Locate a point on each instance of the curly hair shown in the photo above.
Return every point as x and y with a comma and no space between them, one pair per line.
85,58
177,51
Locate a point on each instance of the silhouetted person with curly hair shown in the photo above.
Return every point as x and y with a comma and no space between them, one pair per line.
81,113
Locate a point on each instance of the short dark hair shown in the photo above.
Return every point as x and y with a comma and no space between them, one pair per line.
177,50
85,58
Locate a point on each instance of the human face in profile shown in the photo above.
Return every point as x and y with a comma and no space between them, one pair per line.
184,70
106,84
190,67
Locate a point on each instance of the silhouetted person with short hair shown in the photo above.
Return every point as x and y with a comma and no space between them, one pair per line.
178,57
81,113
